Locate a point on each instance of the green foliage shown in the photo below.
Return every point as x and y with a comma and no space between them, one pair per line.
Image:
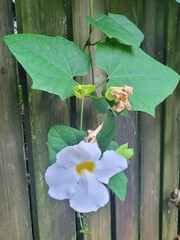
101,105
152,82
124,151
60,136
51,62
119,27
118,185
106,134
112,146
82,91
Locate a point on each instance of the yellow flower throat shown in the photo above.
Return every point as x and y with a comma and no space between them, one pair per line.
81,167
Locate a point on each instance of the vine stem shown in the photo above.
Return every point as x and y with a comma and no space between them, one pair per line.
91,8
89,39
91,61
81,116
80,220
83,225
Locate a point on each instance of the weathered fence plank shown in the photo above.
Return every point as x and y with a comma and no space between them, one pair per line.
127,212
171,166
150,170
151,130
55,218
15,223
99,222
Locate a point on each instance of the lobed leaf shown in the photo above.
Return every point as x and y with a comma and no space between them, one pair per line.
118,185
119,27
105,136
100,105
51,62
152,82
60,136
113,146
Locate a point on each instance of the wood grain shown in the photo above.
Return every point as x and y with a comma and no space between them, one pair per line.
127,131
171,166
151,132
55,220
15,220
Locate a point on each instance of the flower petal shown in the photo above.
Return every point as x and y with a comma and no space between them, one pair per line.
73,155
110,164
90,194
62,181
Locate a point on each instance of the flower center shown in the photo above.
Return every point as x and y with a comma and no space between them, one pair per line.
81,167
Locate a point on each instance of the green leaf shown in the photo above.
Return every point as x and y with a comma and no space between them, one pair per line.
124,151
119,27
112,146
118,185
178,1
61,136
100,105
51,62
105,136
82,91
152,82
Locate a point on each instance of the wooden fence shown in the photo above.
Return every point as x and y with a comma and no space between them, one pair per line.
26,210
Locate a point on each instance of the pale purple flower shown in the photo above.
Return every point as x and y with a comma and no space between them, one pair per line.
79,175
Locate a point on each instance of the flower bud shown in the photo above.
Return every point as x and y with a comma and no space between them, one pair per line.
82,91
